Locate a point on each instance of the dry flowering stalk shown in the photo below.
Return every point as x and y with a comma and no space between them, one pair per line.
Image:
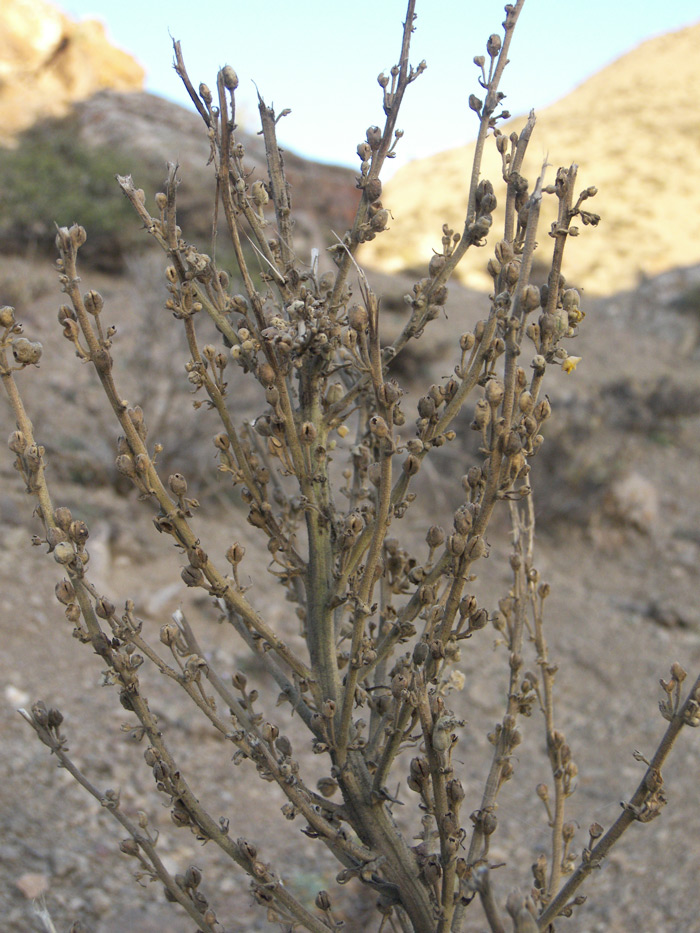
383,622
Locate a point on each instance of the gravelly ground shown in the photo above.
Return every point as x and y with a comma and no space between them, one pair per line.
624,606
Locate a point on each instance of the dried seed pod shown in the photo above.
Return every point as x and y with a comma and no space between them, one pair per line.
17,442
542,410
197,557
511,271
399,683
104,608
378,426
420,654
7,316
426,407
55,718
530,298
513,444
435,536
466,342
463,518
26,352
455,793
379,220
78,236
266,374
63,552
323,901
482,415
526,402
129,847
571,299
432,870
493,267
94,302
169,634
307,432
476,548
358,318
374,137
64,592
478,620
78,532
125,465
272,396
177,484
229,77
420,770
72,613
373,189
259,193
493,46
235,554
327,786
495,390
389,393
192,576
193,877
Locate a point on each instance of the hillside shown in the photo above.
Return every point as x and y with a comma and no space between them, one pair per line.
634,130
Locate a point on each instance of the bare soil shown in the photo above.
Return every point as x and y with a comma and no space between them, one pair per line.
619,541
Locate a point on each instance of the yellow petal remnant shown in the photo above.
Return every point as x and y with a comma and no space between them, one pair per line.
570,363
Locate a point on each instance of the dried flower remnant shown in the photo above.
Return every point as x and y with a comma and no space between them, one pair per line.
570,363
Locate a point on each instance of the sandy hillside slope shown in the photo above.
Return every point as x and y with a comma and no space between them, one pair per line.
634,130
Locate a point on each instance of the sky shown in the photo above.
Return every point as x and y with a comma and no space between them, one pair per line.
321,58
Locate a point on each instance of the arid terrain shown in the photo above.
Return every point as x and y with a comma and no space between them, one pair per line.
617,494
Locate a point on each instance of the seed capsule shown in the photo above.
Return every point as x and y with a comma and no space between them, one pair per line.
26,352
230,78
177,484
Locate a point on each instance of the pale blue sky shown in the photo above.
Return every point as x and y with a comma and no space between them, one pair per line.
321,57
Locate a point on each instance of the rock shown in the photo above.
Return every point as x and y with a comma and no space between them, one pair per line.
47,61
153,131
32,884
633,500
16,697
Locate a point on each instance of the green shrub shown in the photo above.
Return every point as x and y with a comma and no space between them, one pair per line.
52,178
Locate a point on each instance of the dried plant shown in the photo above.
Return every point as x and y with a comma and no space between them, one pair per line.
326,473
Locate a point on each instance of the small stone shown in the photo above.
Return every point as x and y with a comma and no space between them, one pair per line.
633,500
16,697
33,884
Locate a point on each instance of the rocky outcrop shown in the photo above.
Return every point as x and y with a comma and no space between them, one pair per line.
47,61
151,131
159,131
